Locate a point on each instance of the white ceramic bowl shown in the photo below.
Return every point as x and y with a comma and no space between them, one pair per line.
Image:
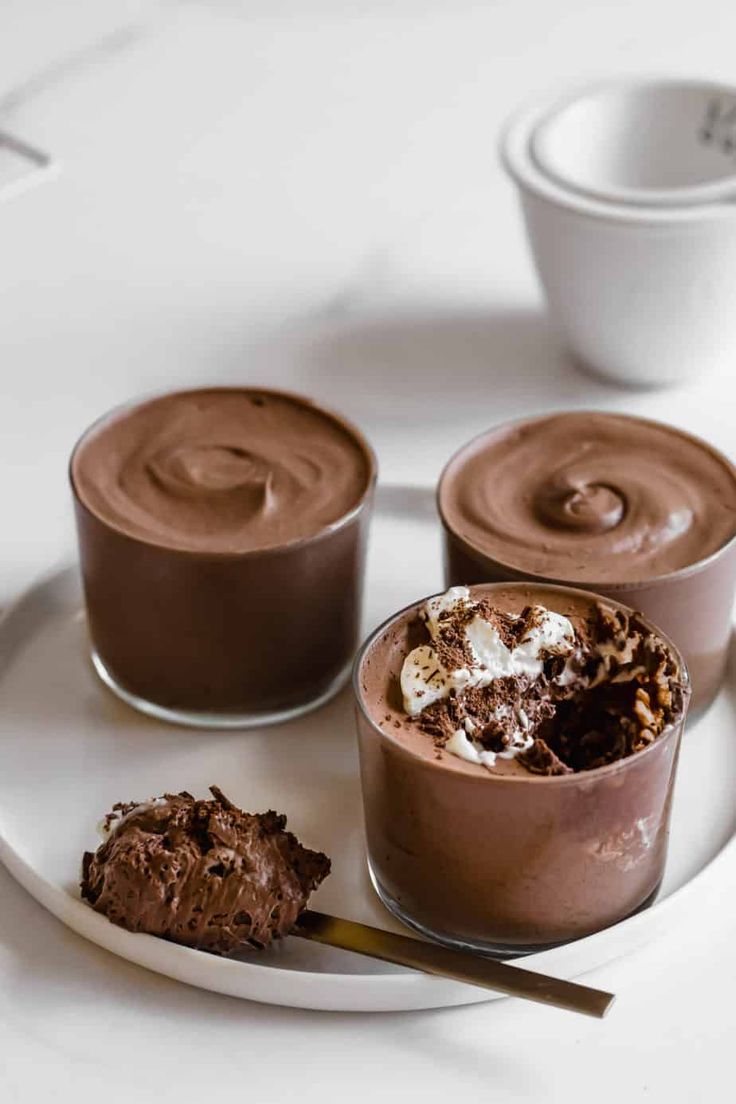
642,294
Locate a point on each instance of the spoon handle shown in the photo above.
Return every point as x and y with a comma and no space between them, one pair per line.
447,962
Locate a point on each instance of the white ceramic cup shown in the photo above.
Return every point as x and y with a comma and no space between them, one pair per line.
665,142
642,293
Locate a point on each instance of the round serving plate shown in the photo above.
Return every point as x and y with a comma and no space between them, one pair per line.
69,749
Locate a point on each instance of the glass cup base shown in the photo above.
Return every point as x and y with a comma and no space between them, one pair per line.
213,719
490,949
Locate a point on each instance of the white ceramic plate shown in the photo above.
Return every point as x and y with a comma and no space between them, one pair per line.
69,749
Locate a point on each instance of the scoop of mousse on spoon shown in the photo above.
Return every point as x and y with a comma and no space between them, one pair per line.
205,874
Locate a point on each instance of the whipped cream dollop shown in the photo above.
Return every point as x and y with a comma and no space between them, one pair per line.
469,650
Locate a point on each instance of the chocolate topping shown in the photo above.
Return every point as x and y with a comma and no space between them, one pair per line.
452,647
201,873
616,693
221,470
590,497
491,712
540,759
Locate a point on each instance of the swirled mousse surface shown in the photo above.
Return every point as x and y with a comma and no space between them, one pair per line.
201,873
221,470
591,497
509,685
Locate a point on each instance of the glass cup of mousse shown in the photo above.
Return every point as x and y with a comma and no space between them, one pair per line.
518,748
222,536
633,509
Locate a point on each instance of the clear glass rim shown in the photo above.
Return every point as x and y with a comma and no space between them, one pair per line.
274,550
622,587
480,774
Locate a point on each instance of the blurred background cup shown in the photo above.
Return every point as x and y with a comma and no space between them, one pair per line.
628,192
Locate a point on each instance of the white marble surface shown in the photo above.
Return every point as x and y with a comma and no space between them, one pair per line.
307,194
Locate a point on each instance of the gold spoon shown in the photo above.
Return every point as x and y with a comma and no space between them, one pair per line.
447,962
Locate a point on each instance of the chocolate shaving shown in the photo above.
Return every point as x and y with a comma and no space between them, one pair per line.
620,690
540,759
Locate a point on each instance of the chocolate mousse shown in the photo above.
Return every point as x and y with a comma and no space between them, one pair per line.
201,873
221,471
518,749
222,538
630,508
